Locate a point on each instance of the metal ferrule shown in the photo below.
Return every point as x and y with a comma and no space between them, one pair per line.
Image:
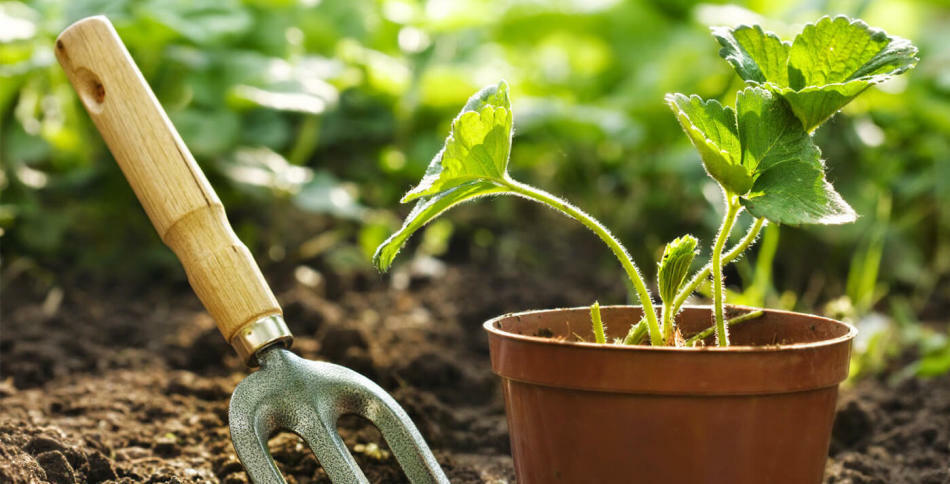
261,334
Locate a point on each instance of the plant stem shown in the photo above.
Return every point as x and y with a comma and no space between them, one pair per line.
635,334
732,322
732,210
597,323
538,195
667,316
703,273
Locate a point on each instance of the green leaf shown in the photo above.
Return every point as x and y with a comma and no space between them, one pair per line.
815,104
834,60
325,194
203,21
472,163
673,266
766,149
839,49
426,209
769,133
712,129
797,193
477,147
823,69
756,55
790,185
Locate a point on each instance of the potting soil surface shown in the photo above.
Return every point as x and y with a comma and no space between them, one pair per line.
103,385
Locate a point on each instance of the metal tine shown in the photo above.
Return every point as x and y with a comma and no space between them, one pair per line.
361,396
330,451
250,429
258,463
284,396
307,398
405,441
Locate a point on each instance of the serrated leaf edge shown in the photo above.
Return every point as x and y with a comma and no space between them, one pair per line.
874,31
849,215
716,33
420,190
679,112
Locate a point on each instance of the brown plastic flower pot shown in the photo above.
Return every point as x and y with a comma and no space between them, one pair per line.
759,411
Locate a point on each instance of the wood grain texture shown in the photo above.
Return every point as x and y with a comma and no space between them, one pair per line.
175,193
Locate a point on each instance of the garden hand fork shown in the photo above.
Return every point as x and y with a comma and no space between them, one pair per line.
287,392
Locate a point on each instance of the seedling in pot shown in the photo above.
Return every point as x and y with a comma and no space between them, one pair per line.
760,152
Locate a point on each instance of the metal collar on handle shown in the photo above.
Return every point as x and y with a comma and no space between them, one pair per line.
260,334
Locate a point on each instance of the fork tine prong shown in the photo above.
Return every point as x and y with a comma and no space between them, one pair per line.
249,437
322,437
401,435
307,398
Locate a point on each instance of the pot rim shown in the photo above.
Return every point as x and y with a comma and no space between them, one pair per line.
490,327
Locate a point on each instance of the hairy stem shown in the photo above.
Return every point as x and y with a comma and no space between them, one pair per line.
597,323
636,333
732,210
728,257
732,322
667,316
538,195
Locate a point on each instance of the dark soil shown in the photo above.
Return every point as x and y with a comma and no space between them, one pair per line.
892,433
112,385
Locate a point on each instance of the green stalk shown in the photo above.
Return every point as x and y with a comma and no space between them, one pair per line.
538,195
597,323
635,334
732,322
703,273
732,210
667,315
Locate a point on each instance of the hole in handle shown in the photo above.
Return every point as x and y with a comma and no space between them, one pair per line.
90,89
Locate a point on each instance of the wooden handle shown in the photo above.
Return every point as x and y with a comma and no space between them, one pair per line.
176,195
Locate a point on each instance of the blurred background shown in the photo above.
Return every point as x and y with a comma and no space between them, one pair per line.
312,118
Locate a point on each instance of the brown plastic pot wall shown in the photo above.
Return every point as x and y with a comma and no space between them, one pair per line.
757,412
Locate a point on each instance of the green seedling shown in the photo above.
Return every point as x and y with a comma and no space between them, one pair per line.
760,152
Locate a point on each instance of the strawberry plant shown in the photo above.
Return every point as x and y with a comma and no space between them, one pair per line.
760,151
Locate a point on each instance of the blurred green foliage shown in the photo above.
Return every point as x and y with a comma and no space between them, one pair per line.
312,117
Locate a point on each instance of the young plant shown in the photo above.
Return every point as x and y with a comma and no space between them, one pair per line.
760,152
473,163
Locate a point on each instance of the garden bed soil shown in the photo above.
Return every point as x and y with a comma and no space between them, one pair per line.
126,385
